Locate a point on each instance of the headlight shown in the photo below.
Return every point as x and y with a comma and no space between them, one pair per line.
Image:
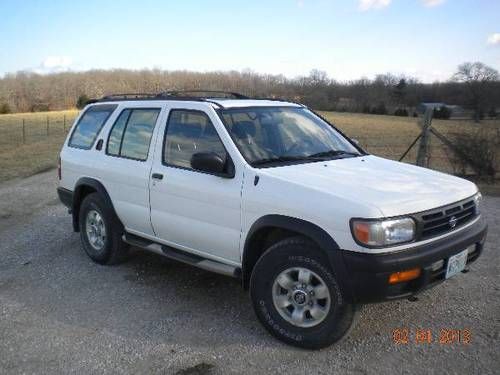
478,201
377,233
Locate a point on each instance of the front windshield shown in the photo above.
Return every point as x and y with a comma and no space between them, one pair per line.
274,135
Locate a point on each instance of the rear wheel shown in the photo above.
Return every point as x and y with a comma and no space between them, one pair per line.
296,296
100,231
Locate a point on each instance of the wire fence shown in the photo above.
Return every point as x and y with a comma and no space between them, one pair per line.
30,128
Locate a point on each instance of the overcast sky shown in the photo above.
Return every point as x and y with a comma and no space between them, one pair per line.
348,39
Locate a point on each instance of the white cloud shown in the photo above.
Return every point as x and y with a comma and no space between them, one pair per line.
365,5
494,39
57,62
432,3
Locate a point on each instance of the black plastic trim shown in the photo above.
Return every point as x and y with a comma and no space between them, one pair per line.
370,272
77,197
65,196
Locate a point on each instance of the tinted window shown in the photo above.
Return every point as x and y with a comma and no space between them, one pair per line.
89,125
115,138
131,133
190,132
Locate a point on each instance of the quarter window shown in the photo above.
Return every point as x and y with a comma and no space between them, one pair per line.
89,125
190,132
131,134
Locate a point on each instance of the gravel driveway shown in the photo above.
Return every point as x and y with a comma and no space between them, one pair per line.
61,313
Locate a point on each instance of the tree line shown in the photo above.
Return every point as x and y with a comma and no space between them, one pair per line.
475,86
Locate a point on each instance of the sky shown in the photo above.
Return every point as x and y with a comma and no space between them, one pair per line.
348,39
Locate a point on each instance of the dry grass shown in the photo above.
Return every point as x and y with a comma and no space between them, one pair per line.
38,151
387,136
390,136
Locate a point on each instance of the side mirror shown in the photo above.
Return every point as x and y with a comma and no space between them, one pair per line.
210,162
355,141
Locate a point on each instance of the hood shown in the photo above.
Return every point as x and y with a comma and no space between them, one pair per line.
394,188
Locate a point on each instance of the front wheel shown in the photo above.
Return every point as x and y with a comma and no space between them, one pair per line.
296,296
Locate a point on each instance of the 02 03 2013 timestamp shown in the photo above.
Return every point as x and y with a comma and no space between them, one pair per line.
443,336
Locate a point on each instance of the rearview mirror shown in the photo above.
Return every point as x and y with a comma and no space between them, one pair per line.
210,162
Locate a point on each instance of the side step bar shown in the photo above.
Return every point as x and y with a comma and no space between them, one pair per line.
182,256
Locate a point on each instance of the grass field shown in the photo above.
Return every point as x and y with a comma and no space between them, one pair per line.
386,136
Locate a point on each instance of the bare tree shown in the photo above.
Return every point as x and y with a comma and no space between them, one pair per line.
478,78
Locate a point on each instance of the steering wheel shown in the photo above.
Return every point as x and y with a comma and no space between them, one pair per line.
296,148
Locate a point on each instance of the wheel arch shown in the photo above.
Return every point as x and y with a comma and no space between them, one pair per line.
272,228
83,187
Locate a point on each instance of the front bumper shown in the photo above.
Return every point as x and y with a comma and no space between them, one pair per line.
369,273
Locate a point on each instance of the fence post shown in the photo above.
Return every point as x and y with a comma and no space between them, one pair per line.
24,132
424,146
47,125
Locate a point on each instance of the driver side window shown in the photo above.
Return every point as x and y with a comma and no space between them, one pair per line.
189,132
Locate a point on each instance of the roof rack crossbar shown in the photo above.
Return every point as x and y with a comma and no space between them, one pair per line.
226,94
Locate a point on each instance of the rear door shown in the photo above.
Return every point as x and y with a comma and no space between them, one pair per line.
192,210
125,163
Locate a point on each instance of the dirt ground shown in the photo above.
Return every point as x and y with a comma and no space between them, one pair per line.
61,313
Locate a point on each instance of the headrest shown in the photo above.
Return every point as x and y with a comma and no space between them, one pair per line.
244,129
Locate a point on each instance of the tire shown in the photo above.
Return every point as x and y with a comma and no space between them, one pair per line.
332,316
104,244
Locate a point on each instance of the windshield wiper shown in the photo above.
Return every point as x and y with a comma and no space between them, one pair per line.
333,153
284,159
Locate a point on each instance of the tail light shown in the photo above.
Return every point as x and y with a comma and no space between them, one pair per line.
59,168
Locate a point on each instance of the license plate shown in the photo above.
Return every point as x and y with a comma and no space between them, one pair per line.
456,263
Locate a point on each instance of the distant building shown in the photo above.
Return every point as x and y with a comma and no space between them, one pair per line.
456,110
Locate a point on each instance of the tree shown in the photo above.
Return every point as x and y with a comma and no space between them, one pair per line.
479,79
4,108
399,92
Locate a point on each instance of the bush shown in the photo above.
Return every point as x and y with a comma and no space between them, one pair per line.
40,107
82,101
492,112
480,151
380,109
401,112
4,108
443,113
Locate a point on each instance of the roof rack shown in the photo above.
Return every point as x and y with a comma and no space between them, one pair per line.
213,94
185,95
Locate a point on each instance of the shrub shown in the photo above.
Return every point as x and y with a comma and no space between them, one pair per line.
4,108
479,150
492,112
401,112
380,109
82,101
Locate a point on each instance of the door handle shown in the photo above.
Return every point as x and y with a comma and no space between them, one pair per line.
157,176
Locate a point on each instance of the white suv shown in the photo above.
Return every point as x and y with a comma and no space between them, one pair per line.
269,192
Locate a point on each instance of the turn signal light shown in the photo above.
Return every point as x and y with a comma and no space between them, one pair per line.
399,277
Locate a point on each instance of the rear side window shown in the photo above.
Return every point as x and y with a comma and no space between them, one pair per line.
131,134
89,125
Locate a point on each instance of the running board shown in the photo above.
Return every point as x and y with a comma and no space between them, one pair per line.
182,256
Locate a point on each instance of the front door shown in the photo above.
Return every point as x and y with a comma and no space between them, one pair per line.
192,210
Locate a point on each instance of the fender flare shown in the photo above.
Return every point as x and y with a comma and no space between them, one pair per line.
325,242
77,198
319,235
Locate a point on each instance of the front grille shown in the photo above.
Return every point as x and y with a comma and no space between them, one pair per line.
445,219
